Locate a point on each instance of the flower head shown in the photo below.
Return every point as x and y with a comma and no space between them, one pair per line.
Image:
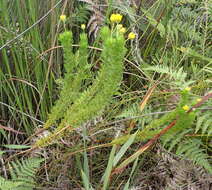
119,26
122,30
83,26
186,108
131,36
199,100
63,18
116,18
188,89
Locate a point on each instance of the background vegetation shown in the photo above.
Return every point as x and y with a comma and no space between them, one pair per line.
144,137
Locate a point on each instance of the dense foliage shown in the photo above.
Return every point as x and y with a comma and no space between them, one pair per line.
113,94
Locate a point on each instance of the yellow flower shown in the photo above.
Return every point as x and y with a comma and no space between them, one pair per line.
199,99
188,89
131,35
122,30
119,26
186,108
113,18
116,18
83,26
63,18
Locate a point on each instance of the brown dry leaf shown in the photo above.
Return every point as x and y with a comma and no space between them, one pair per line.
146,97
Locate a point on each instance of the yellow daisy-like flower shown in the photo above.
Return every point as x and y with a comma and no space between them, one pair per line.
131,36
186,108
83,26
188,89
122,30
199,99
116,18
63,18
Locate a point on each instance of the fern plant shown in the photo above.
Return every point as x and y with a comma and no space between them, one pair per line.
204,121
177,77
192,149
22,174
8,184
78,104
176,139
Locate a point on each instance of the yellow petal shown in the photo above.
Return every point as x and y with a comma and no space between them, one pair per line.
63,18
118,18
113,18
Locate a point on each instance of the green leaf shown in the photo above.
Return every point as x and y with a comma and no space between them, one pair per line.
108,170
86,181
123,149
14,146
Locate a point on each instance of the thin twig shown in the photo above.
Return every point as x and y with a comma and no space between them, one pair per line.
10,129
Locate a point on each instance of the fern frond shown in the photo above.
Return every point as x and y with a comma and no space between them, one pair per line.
178,77
134,111
9,185
130,111
24,172
204,123
97,18
172,140
81,14
192,150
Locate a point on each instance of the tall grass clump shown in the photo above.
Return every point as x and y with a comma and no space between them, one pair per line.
26,74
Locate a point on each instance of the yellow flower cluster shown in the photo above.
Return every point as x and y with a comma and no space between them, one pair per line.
116,18
63,18
186,108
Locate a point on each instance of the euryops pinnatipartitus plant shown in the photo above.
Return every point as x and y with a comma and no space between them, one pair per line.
79,103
